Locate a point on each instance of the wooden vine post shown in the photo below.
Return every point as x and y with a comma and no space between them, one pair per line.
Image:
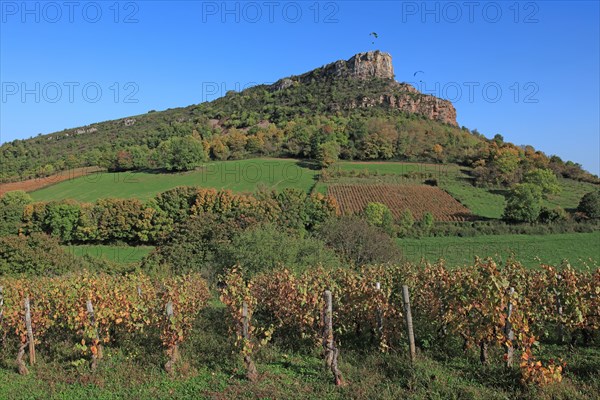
2,309
379,316
508,331
173,350
97,347
409,323
1,303
21,353
330,351
251,372
29,331
560,328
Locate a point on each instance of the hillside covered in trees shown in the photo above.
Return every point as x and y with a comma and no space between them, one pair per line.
352,110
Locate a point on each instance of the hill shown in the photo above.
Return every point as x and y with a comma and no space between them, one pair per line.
356,104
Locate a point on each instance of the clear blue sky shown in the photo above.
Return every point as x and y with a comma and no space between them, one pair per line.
543,56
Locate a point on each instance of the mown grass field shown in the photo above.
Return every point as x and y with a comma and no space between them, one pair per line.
238,176
579,249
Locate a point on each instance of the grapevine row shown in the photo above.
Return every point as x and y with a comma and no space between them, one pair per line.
486,305
94,307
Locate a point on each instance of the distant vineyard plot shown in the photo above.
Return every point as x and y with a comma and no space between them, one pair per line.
419,199
38,183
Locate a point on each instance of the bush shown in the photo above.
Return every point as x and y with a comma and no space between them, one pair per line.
358,242
523,203
38,254
177,202
405,222
380,215
327,154
548,215
61,219
194,246
545,179
427,221
264,248
590,204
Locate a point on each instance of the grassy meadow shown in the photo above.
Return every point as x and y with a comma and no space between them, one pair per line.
579,249
237,176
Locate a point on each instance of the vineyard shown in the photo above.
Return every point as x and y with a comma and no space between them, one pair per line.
495,309
30,185
418,199
93,309
501,311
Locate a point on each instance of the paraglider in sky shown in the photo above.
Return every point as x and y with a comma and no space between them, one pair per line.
418,72
375,36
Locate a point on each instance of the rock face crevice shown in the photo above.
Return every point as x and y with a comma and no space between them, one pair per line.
376,65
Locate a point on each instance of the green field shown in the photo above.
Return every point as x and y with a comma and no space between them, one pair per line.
238,176
118,254
578,248
571,193
480,201
397,168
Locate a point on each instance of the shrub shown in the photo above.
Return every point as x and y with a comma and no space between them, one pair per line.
545,179
380,215
548,215
358,242
523,203
427,221
405,222
327,154
177,202
590,204
193,246
61,219
264,248
38,254
116,218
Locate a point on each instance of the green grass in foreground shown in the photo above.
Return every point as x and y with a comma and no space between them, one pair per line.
118,254
238,176
577,248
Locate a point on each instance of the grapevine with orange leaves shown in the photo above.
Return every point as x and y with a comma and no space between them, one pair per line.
132,303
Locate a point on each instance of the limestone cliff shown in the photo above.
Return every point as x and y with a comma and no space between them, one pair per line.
376,65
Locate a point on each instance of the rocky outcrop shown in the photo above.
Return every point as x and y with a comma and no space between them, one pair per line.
373,64
408,99
376,65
